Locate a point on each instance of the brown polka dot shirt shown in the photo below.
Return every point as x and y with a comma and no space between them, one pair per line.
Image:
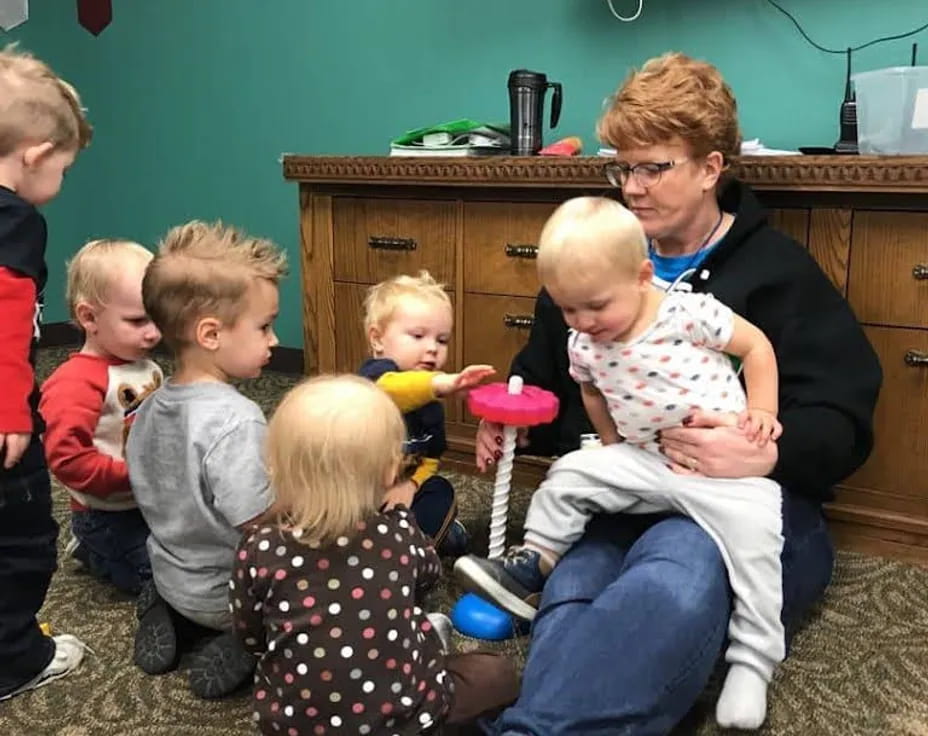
342,643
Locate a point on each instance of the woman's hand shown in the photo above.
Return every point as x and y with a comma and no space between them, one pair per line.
711,444
489,443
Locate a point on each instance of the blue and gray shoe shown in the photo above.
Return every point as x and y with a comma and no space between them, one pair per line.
456,540
513,582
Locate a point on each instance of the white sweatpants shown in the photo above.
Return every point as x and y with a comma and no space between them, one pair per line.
742,515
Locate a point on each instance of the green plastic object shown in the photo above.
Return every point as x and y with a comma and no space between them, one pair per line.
454,128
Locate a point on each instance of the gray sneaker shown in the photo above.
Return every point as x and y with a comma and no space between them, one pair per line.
69,651
155,649
513,582
220,668
443,627
76,551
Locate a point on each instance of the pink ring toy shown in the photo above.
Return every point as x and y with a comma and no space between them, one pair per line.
512,405
494,403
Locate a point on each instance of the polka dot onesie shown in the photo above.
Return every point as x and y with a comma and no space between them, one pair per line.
654,381
343,645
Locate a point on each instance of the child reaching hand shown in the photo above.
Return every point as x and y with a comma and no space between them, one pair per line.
408,322
327,592
89,401
647,360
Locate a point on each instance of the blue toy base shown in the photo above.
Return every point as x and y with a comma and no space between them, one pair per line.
474,617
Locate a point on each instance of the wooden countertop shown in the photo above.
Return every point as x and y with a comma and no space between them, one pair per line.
884,174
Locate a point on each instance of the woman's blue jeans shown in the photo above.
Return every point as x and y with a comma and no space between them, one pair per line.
634,618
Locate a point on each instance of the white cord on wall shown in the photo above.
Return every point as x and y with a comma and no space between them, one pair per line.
622,17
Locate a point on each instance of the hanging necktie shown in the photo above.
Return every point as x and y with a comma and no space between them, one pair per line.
94,15
13,13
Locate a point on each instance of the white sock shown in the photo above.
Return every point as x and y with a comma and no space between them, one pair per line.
743,702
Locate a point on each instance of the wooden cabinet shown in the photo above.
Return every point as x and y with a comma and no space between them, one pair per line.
494,328
887,285
474,224
500,246
888,279
893,480
374,239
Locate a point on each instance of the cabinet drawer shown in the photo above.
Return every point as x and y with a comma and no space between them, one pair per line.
375,239
888,281
351,348
495,329
500,245
895,478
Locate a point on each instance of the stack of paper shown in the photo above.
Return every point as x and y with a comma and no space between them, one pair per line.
754,147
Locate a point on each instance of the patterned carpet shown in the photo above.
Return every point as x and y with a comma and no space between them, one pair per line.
859,665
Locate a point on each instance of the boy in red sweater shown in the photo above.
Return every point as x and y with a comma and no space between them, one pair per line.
42,128
88,402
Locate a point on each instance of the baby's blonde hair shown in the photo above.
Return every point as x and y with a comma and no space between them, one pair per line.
91,271
205,269
37,105
332,443
589,234
382,299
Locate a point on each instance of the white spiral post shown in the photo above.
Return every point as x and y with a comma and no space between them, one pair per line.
500,509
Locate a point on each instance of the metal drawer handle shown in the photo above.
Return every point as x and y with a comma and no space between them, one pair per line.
920,272
519,321
521,251
380,242
916,359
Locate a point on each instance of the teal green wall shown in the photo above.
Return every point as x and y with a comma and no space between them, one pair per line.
194,101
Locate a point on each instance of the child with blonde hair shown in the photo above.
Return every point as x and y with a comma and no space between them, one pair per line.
89,401
327,592
408,322
647,360
42,128
195,448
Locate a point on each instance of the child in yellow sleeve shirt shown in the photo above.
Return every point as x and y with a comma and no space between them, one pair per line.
408,321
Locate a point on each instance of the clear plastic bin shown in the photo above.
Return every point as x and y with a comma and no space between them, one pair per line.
892,110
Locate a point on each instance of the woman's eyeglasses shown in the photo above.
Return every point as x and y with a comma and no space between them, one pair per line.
647,173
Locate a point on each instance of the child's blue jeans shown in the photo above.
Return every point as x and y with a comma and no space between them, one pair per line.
28,534
434,507
112,546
